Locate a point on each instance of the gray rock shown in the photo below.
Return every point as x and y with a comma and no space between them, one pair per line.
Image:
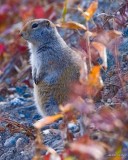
20,144
74,127
22,115
54,140
1,142
11,141
9,155
125,144
17,102
1,151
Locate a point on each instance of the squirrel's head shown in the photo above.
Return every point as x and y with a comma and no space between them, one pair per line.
38,30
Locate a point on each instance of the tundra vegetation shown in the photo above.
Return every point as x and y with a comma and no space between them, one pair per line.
94,127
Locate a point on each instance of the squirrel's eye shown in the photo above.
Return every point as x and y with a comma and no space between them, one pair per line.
34,25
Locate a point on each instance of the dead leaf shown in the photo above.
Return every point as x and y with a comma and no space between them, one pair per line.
72,25
105,37
83,73
94,150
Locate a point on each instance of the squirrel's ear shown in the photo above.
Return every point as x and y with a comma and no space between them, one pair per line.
46,23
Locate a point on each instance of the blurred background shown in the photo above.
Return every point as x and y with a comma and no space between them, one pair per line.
17,109
14,64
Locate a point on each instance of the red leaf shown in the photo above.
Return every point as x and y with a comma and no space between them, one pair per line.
25,12
50,13
83,44
2,48
22,49
47,157
39,12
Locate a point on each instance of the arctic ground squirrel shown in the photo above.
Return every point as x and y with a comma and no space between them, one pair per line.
54,65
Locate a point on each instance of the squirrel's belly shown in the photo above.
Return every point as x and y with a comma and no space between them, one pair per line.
38,100
48,98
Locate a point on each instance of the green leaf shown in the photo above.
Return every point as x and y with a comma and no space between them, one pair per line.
64,12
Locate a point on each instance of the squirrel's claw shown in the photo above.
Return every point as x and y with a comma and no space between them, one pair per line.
36,80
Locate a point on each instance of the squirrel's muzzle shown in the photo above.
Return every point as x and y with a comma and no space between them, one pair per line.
21,34
24,35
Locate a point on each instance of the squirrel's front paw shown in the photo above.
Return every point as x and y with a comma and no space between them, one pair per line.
36,80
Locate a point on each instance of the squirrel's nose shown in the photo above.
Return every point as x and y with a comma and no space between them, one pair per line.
21,34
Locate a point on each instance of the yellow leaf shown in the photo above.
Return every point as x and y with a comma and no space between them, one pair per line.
102,52
94,78
69,158
72,25
47,120
118,153
91,10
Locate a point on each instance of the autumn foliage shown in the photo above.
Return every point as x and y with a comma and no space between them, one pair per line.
103,128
